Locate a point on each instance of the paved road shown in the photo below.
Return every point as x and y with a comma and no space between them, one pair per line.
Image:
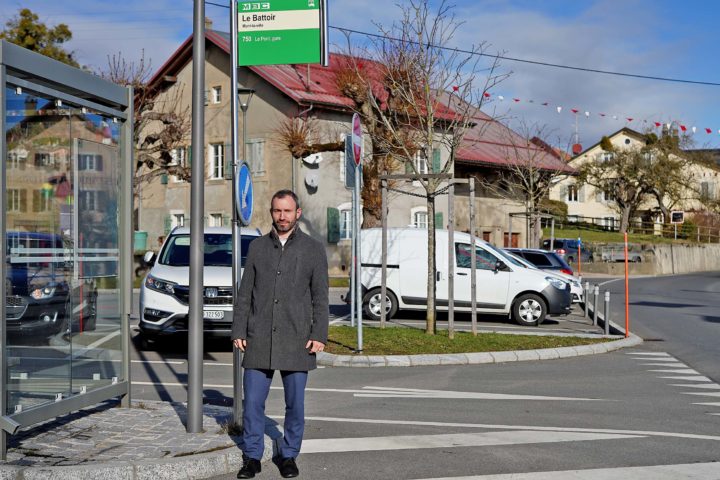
679,314
652,406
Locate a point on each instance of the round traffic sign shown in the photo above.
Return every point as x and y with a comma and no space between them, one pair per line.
356,138
244,195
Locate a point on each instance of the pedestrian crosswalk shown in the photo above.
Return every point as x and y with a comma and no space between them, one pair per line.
670,368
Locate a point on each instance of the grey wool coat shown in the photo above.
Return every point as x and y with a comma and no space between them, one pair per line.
282,302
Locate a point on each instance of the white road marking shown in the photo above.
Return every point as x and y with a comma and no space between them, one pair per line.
167,362
694,378
704,394
510,427
95,344
709,404
709,386
688,471
381,392
685,371
413,442
673,365
649,354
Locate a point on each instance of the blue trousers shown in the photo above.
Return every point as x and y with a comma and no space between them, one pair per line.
256,384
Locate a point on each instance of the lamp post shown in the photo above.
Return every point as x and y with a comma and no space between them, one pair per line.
245,95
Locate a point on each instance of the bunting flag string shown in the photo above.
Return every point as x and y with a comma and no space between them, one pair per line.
577,111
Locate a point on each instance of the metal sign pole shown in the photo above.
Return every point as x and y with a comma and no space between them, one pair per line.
197,240
383,279
236,231
451,260
473,267
358,263
353,259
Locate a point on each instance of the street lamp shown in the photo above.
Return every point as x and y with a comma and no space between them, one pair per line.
245,95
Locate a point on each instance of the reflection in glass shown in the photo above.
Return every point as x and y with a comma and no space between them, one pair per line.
62,306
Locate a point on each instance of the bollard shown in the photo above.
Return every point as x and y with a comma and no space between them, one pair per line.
595,306
607,313
587,298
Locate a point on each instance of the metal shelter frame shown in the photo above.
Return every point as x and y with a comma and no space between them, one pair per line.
28,71
451,243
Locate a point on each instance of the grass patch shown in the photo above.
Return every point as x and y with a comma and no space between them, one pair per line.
339,281
600,236
398,340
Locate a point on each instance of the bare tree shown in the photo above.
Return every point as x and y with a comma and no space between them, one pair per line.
417,99
531,168
160,124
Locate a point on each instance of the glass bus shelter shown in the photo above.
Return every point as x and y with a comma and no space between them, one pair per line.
66,202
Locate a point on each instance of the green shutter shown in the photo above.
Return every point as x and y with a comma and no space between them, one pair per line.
164,179
226,220
436,167
228,174
438,220
189,156
333,225
408,168
168,224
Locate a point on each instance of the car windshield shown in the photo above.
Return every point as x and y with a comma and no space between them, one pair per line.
512,259
503,254
217,250
519,259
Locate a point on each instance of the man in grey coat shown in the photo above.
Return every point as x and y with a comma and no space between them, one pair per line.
281,322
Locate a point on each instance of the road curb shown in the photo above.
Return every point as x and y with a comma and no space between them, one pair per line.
474,358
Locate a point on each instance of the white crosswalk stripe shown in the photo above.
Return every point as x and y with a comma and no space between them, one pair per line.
681,372
688,471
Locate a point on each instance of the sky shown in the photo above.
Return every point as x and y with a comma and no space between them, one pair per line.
655,38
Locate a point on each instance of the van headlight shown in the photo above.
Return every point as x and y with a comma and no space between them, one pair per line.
556,282
159,285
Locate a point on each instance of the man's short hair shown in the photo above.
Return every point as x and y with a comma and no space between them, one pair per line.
286,193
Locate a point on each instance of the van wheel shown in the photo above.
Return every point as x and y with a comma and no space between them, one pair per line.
372,304
529,310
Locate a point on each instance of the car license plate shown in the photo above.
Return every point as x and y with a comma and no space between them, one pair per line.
213,314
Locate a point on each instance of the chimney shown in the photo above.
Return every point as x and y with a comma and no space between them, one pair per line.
208,23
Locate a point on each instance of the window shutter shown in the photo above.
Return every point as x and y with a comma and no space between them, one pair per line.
98,163
598,195
36,200
226,220
189,156
168,224
438,220
581,193
163,179
333,225
564,193
408,168
23,200
436,166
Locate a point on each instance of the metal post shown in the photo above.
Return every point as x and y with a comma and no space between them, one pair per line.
197,240
587,298
451,259
698,234
675,225
552,235
509,240
125,240
3,269
473,267
595,305
383,278
358,281
354,301
236,231
607,313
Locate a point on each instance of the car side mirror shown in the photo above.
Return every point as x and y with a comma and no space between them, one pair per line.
499,266
149,258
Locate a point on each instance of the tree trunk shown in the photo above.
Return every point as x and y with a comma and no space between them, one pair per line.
625,220
430,324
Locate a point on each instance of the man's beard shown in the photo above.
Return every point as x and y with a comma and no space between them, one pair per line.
286,228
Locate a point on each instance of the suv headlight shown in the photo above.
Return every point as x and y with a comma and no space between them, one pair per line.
556,282
159,285
44,292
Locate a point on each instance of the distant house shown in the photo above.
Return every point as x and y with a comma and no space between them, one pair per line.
289,91
586,203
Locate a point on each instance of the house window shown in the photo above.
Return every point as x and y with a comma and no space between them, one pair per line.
572,195
421,163
216,94
177,219
608,195
179,158
346,224
217,161
606,156
16,158
419,217
256,156
89,200
215,220
42,201
14,200
707,191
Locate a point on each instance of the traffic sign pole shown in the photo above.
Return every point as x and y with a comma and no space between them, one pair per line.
357,156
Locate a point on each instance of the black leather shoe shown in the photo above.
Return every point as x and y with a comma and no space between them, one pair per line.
250,468
288,468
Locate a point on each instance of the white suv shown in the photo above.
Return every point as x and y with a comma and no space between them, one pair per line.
165,293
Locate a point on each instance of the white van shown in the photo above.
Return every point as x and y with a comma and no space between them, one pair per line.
504,287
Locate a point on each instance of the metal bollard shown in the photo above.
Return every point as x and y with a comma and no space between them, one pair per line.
607,313
595,306
587,298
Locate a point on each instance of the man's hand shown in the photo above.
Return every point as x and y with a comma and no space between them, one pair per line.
315,346
240,343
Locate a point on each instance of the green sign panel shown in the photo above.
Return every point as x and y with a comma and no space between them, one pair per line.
279,32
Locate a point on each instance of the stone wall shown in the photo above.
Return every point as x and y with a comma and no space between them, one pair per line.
665,259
